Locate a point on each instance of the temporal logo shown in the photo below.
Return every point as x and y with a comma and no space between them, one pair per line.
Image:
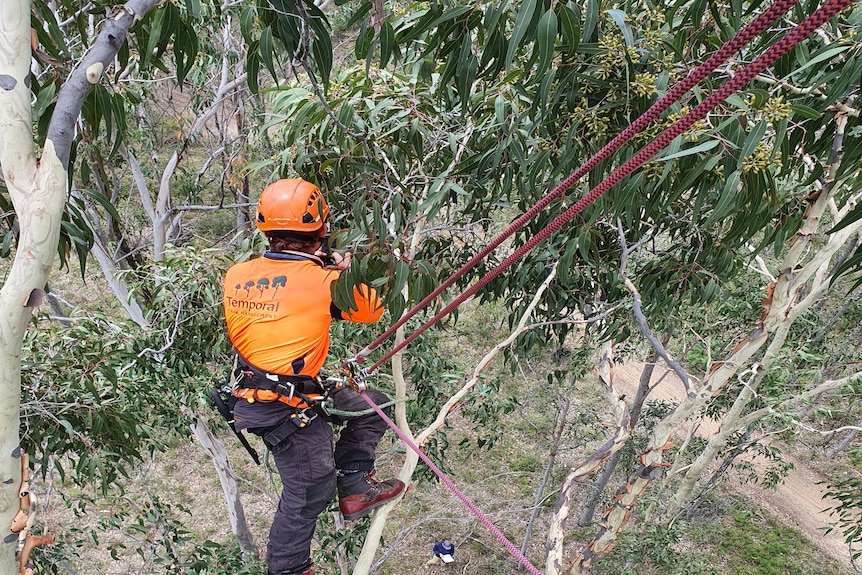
261,287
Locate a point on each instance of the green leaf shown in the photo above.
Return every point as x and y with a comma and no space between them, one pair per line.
493,13
851,218
452,14
247,25
591,19
546,37
571,26
853,263
698,149
620,18
826,54
364,39
265,51
466,67
727,199
500,109
695,14
194,8
5,249
402,274
542,97
387,40
44,99
737,101
760,97
522,23
805,111
755,136
185,50
321,49
252,66
155,32
102,201
780,135
54,39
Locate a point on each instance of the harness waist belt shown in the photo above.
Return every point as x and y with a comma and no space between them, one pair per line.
281,384
293,390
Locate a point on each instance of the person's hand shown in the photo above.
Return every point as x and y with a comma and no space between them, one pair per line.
342,260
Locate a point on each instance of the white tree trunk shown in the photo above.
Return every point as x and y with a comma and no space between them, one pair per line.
784,307
38,191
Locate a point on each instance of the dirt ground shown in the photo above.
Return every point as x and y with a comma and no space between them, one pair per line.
798,501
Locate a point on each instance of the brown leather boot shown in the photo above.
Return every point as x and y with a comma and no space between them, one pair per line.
359,493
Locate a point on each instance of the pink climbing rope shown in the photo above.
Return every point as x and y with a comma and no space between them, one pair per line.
448,482
743,37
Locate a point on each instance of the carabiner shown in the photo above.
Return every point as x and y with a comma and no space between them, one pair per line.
355,378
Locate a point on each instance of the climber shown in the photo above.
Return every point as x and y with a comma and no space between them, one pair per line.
278,309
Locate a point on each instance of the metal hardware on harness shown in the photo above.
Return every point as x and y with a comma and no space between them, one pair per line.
297,420
288,387
303,417
354,377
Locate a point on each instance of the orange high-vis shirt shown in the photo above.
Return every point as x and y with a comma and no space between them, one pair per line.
278,311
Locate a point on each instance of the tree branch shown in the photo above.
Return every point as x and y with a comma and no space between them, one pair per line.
638,312
70,99
485,361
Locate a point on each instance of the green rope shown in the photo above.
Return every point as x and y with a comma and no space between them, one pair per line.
368,411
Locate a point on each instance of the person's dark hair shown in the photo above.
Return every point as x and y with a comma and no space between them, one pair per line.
281,241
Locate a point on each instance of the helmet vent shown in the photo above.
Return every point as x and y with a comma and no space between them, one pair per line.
307,218
260,218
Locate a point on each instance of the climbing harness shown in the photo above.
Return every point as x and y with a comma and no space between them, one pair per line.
306,397
782,46
255,384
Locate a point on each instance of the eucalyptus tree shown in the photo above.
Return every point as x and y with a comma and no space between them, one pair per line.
522,95
69,69
37,183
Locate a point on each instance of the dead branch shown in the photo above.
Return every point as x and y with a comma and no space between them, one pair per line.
638,312
559,426
485,361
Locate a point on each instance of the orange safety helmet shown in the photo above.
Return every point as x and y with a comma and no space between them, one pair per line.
291,205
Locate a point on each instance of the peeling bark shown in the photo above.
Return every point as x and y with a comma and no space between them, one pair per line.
38,191
781,310
554,564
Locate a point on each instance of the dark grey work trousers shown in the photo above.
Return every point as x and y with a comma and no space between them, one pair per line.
307,464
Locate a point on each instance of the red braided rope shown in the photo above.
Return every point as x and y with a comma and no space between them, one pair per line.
796,35
743,37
